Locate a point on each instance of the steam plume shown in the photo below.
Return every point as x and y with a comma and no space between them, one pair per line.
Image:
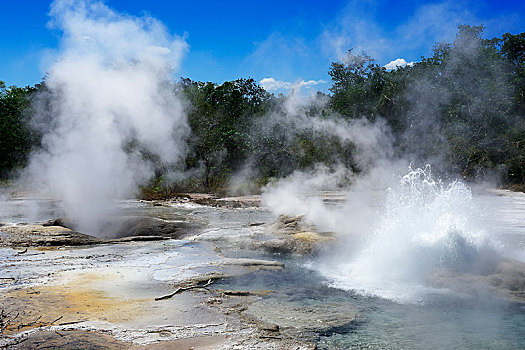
107,104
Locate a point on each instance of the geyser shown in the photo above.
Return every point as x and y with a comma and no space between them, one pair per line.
424,225
107,103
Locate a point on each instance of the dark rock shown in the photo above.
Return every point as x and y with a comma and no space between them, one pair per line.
58,232
244,293
133,226
58,222
127,226
137,239
256,224
256,263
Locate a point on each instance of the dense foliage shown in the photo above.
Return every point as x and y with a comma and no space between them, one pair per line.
16,136
221,118
464,107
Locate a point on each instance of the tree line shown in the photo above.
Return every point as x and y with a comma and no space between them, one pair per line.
463,107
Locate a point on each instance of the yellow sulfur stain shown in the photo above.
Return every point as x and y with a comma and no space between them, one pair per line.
312,237
82,298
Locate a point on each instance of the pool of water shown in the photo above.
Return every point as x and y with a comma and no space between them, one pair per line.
441,322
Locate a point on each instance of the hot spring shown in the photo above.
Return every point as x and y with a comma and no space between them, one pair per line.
420,274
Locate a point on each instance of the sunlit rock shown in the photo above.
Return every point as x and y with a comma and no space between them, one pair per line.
38,235
294,236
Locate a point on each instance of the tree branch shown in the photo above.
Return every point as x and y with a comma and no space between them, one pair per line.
182,289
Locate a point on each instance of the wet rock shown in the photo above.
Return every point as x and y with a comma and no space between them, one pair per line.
39,235
222,268
244,293
506,279
137,239
56,232
58,222
232,267
296,318
253,224
257,263
128,226
294,236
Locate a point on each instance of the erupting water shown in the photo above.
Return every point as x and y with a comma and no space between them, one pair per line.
424,225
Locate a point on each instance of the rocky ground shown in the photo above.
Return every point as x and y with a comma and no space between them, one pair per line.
149,282
139,293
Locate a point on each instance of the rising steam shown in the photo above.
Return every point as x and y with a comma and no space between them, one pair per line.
106,105
391,241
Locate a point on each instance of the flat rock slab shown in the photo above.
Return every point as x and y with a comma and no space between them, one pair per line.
115,227
292,317
119,229
39,235
257,263
73,339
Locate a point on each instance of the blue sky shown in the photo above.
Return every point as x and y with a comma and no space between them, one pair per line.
287,42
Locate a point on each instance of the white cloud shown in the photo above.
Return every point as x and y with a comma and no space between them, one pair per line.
400,62
307,83
270,84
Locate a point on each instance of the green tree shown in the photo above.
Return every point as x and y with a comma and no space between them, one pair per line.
16,138
357,83
464,106
221,118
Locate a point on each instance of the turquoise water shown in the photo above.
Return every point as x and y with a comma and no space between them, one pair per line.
441,322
